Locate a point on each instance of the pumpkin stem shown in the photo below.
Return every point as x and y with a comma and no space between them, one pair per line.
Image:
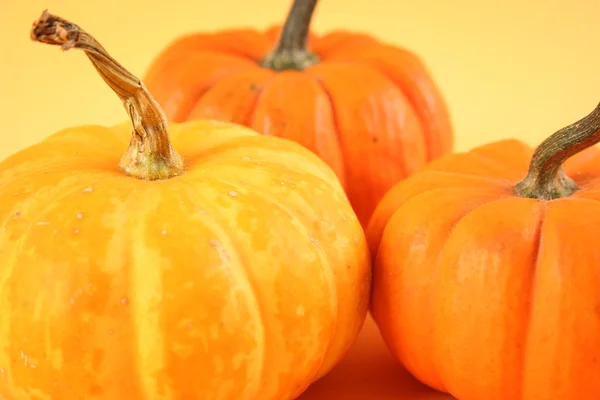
546,179
150,155
291,50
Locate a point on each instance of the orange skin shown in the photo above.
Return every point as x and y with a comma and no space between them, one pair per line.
485,294
246,277
370,110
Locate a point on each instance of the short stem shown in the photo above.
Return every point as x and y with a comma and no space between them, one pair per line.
546,179
150,154
291,51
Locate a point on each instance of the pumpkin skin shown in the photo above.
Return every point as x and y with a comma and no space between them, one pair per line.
371,110
245,277
485,294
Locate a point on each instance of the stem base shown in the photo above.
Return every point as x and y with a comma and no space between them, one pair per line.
534,188
284,60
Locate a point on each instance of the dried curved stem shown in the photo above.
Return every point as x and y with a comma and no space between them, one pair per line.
546,178
150,154
291,51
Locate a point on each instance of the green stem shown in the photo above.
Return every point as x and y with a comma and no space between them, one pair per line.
546,179
291,50
150,155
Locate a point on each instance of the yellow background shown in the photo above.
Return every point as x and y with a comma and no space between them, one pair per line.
510,68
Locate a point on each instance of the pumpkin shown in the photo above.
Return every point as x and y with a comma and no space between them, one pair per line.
369,109
486,269
207,262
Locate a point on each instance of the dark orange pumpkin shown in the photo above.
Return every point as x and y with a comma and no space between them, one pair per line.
369,109
487,284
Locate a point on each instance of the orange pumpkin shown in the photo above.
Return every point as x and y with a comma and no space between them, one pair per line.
487,269
214,263
369,109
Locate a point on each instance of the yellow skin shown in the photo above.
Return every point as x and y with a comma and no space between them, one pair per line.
246,277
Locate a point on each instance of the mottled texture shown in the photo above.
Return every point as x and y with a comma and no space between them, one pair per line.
369,109
247,277
486,294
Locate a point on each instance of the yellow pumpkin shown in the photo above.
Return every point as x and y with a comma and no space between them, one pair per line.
209,262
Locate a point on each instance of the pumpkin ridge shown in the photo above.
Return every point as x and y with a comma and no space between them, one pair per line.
381,133
41,215
150,354
486,196
257,98
255,88
324,262
195,98
436,357
178,64
308,122
58,156
527,321
221,43
343,39
336,126
588,193
439,335
414,82
482,178
52,186
428,138
218,227
6,272
447,164
272,150
494,161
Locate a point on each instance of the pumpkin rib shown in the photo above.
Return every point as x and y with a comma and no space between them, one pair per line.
566,306
521,154
396,197
245,43
218,227
397,223
531,298
462,163
63,151
6,328
327,268
54,193
290,167
355,116
150,354
273,118
65,176
590,192
339,41
176,85
232,98
260,90
335,124
413,80
272,151
442,178
444,359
